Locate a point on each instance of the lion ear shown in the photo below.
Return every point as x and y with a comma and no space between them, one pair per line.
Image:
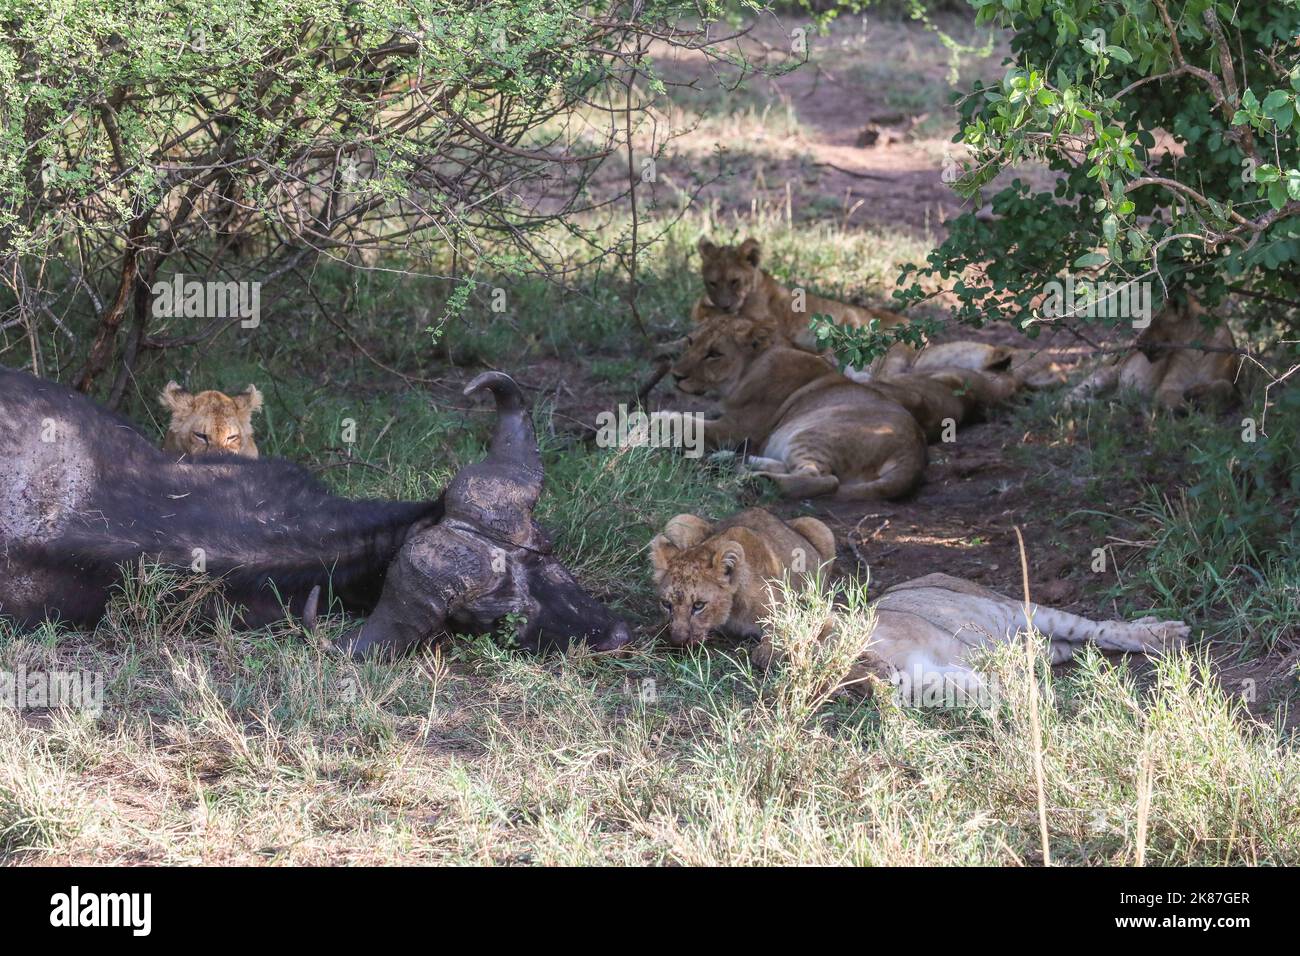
661,552
686,531
751,250
729,557
249,400
707,249
175,397
752,335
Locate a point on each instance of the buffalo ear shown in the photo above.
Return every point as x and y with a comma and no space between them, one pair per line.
686,531
707,249
175,398
751,250
249,400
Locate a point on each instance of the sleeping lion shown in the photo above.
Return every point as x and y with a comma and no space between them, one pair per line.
817,433
721,579
1173,378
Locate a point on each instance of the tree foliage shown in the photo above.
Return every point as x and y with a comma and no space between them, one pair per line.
241,139
1172,127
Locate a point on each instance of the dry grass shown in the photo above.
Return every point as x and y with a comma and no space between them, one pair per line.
226,747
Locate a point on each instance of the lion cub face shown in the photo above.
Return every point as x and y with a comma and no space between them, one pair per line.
697,582
730,273
211,422
718,351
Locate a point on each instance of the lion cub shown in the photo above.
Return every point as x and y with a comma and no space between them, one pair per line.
211,423
718,578
735,282
1172,377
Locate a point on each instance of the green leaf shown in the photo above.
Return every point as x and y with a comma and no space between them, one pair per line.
1277,195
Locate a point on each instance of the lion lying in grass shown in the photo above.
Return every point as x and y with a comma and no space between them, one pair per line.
1027,368
935,396
736,285
818,433
928,629
725,579
718,577
210,422
1176,377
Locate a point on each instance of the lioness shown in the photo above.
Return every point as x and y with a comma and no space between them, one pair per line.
1173,377
898,358
928,629
717,578
940,395
211,422
1026,367
818,432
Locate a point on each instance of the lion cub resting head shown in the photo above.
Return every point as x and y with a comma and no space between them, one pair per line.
1174,377
716,578
211,423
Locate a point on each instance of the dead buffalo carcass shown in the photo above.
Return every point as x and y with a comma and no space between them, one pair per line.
83,493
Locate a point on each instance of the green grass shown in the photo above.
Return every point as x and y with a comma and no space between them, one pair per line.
217,745
1207,517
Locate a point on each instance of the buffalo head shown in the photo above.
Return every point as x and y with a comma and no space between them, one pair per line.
487,561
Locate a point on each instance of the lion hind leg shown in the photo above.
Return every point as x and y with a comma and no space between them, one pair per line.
900,475
1148,635
818,535
766,466
1100,382
804,484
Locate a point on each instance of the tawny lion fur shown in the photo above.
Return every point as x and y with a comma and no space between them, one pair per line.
210,422
718,578
1172,378
724,579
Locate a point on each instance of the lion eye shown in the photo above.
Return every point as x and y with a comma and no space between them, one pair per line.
201,437
735,283
698,606
714,353
666,605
